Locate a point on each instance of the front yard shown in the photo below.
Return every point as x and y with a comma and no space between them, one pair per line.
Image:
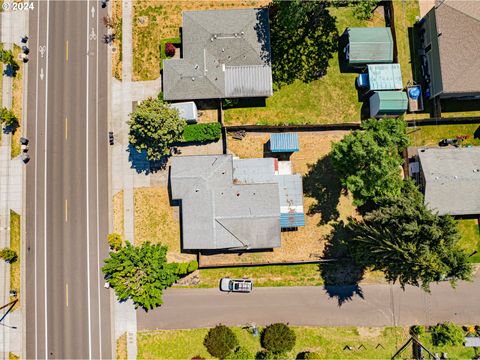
470,230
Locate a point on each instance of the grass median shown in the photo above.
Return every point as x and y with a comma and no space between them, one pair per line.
15,246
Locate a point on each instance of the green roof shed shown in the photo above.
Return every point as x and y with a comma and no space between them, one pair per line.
385,103
369,45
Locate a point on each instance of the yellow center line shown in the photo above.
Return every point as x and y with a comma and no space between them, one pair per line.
66,293
66,51
66,128
66,210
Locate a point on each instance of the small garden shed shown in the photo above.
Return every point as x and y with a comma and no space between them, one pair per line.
285,142
382,77
187,111
369,45
385,103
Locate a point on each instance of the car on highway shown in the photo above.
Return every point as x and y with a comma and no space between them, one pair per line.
236,285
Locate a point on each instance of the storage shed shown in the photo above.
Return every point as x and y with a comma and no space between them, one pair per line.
369,45
187,111
286,142
385,103
384,77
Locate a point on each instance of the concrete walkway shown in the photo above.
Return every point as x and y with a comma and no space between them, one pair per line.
13,26
368,305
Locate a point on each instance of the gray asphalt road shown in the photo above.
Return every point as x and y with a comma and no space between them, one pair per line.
379,305
67,308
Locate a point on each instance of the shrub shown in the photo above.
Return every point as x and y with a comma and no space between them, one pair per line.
278,338
268,355
307,355
8,118
115,241
417,330
192,266
241,354
202,132
8,255
169,49
182,268
447,334
220,341
363,9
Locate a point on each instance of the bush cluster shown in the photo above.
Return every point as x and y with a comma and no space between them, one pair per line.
278,338
169,49
8,255
417,330
220,341
202,132
447,334
8,118
115,241
186,267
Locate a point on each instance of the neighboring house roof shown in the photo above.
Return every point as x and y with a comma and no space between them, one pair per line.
384,77
370,45
452,179
285,142
264,171
186,110
226,54
216,212
453,33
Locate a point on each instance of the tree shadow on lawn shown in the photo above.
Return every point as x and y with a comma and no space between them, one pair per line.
323,184
342,276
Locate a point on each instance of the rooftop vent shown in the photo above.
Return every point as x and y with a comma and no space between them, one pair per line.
193,79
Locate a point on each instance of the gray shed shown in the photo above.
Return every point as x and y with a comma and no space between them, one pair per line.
187,111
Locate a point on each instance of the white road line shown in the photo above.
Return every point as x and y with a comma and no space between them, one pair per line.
88,192
66,294
36,182
45,195
98,206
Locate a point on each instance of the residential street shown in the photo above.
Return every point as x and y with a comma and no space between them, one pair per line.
68,312
381,305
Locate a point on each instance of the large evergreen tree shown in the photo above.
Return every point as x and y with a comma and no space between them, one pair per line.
140,273
368,161
154,126
303,40
408,242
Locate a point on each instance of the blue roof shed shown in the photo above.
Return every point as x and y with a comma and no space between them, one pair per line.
286,142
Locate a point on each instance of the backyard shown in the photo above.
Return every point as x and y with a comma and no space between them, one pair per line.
329,342
431,135
331,99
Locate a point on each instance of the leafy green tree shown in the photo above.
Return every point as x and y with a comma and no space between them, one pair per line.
368,162
408,242
154,127
9,255
6,57
278,338
140,273
447,334
241,354
220,341
8,118
363,9
115,241
303,39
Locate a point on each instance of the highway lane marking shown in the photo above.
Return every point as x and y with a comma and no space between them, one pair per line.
66,128
42,52
45,193
66,51
66,294
88,38
66,210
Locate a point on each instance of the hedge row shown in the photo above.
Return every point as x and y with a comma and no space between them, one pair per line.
202,132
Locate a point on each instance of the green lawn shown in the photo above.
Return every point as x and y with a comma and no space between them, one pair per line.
328,341
431,135
331,99
470,237
15,246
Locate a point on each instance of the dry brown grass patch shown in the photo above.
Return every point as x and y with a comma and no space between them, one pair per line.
17,99
118,218
117,43
122,347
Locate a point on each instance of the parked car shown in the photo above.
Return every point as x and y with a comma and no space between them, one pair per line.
236,285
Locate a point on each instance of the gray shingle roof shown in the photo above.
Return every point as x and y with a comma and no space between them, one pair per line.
226,53
219,214
452,179
458,23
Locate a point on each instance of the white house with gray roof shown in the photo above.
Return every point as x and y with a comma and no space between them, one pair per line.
226,54
229,203
451,179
